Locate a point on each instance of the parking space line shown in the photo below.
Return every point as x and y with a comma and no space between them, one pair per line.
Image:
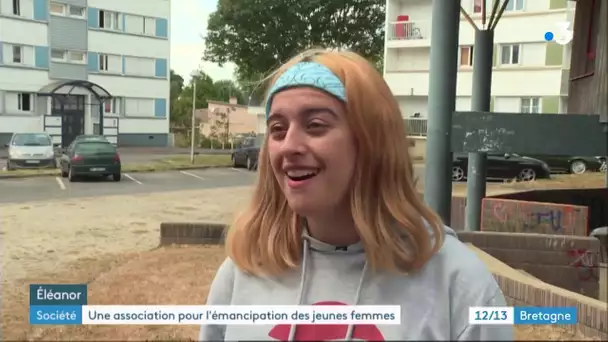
239,170
192,175
60,182
131,178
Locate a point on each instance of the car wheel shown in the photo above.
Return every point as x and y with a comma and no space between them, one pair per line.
63,173
457,173
604,167
116,177
234,162
578,167
527,175
249,164
71,175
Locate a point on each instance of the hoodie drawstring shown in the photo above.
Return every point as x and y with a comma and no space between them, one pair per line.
351,327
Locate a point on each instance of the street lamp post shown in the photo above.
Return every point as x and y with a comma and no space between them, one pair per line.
194,74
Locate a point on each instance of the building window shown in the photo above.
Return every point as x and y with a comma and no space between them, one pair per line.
57,8
149,26
24,102
17,7
466,55
112,106
509,54
76,57
513,5
530,105
58,55
77,11
109,20
103,62
17,54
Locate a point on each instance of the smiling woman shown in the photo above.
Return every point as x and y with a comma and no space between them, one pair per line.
335,218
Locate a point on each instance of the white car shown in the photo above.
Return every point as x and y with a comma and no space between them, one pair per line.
31,151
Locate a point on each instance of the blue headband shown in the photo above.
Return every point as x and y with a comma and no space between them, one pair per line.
310,74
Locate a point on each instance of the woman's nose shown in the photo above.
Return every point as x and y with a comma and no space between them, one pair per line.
294,142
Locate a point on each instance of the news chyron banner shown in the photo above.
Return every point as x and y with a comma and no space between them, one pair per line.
66,304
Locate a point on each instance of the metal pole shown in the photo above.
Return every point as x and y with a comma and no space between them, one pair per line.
442,103
101,111
483,52
606,155
193,120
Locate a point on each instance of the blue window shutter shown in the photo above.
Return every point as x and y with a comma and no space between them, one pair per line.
93,15
93,61
41,55
160,108
162,29
161,68
41,10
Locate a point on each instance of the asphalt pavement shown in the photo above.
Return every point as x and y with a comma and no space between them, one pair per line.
47,188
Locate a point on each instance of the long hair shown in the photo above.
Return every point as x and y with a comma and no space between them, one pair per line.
398,231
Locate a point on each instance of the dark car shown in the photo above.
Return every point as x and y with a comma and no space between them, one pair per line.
503,166
90,158
246,153
572,164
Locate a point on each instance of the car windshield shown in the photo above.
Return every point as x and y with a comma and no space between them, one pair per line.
95,148
31,140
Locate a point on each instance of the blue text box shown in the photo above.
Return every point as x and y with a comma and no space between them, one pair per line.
56,315
58,294
545,315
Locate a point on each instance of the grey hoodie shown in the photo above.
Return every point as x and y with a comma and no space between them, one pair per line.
434,301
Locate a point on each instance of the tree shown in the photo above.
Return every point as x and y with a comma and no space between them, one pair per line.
260,35
177,85
225,89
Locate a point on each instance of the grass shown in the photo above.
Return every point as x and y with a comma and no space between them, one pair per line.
164,164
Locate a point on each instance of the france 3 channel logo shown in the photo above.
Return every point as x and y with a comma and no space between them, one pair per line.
562,34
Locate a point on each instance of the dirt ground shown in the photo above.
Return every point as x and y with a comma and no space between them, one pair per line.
110,243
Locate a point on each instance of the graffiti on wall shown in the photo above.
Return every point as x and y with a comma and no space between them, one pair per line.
502,215
586,263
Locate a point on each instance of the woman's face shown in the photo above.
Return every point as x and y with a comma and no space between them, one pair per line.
311,148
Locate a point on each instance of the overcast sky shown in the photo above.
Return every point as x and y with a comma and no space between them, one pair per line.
188,23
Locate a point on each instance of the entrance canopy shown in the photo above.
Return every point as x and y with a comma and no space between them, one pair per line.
54,89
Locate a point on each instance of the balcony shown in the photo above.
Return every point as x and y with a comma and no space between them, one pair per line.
408,34
416,127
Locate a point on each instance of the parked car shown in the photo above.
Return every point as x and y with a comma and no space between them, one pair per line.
90,158
503,166
91,137
572,164
30,151
246,153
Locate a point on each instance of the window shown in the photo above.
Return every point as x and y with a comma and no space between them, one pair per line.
77,11
509,54
24,102
530,105
17,7
149,26
58,55
57,8
17,54
103,62
112,106
109,20
77,57
513,5
466,55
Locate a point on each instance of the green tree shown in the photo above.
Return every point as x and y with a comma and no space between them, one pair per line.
259,35
224,89
177,85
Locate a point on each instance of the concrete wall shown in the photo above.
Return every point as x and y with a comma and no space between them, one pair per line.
418,148
502,215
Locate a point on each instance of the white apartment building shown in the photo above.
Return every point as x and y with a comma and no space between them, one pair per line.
530,75
114,50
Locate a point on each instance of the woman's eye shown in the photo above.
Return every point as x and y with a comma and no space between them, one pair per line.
276,128
315,125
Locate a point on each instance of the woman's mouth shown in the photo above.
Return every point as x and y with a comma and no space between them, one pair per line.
300,178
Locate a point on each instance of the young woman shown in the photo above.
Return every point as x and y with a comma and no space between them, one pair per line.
335,218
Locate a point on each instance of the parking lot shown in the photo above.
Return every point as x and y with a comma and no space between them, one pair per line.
44,188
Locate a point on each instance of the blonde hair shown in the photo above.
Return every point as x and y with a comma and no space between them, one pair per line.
398,231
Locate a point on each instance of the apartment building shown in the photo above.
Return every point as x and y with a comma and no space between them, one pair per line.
530,75
66,64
